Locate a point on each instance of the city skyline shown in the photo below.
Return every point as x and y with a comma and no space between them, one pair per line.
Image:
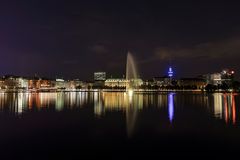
169,72
75,39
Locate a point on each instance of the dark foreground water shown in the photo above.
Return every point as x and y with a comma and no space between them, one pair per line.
116,124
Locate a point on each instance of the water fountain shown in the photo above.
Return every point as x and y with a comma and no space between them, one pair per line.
131,78
131,74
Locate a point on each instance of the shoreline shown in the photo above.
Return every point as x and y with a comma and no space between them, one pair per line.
108,90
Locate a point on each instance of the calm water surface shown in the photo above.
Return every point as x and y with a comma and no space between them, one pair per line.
74,123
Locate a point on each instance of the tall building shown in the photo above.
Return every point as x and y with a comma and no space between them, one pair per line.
60,84
99,79
170,72
99,76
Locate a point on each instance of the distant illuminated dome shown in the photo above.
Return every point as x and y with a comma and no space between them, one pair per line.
170,72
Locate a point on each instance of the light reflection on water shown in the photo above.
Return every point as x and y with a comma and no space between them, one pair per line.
170,106
225,107
219,105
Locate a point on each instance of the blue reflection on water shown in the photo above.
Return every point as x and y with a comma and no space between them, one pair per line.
170,106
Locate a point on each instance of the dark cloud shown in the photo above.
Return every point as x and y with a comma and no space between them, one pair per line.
99,49
227,48
70,62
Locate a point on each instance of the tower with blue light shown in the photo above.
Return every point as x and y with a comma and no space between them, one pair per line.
170,72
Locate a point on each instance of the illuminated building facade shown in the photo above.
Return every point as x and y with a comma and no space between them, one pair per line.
116,82
2,84
60,84
34,83
99,80
22,83
99,76
136,83
47,84
74,84
214,79
14,82
122,82
39,83
226,76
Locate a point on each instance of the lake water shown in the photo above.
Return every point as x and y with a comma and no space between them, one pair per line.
108,123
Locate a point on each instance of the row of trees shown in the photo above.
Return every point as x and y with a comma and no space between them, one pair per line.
235,86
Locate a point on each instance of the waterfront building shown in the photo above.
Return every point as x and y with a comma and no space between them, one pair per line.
227,76
2,86
99,80
116,82
10,82
14,82
137,82
37,83
78,84
74,84
34,82
99,76
60,84
47,83
123,83
214,79
224,77
22,83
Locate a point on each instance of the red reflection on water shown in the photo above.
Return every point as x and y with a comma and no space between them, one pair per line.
229,108
225,108
233,109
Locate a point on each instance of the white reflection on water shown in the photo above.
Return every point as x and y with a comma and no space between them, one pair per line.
225,106
98,106
218,107
59,101
21,103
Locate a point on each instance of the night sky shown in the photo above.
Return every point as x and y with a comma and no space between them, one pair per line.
72,39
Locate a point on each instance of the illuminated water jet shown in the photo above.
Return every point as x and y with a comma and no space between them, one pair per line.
131,73
130,92
131,78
